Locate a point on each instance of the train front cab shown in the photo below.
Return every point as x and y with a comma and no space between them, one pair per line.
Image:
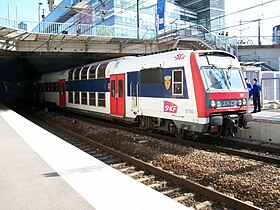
221,93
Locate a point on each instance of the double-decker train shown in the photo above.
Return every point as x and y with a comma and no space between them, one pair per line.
182,92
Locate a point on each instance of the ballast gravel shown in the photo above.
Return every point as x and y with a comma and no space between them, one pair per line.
245,179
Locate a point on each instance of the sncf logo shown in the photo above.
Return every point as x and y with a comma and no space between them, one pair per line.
170,107
179,57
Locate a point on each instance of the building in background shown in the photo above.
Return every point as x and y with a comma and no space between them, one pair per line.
210,13
120,17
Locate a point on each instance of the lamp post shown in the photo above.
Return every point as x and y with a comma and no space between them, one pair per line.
39,15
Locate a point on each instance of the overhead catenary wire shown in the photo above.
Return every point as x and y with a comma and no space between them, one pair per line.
246,22
248,8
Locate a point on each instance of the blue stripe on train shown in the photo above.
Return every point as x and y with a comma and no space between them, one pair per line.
94,85
133,78
153,90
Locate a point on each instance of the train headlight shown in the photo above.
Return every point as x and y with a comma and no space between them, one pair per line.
218,104
239,102
244,101
212,104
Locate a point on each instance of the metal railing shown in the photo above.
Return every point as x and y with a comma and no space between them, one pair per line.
268,63
77,29
270,87
254,40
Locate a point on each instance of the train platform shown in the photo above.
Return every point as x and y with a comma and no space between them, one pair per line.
264,127
41,171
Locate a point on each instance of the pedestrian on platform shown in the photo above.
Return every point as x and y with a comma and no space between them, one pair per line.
249,87
257,88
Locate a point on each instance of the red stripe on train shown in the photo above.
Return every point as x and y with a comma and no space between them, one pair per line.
200,95
227,95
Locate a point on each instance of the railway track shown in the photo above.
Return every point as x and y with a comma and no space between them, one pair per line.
219,179
178,188
245,150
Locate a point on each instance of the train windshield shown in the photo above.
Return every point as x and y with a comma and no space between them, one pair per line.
222,78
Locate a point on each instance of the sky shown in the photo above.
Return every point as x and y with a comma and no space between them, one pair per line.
27,10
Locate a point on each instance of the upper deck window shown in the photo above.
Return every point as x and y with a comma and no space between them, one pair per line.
77,74
101,70
92,72
70,75
84,73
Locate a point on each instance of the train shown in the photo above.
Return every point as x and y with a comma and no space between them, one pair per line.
182,92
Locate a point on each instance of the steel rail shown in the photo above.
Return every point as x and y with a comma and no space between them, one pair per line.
208,192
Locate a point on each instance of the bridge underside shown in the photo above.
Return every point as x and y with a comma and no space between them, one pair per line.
19,66
25,55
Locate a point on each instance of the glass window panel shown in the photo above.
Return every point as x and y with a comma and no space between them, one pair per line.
177,82
84,98
101,99
113,88
84,73
70,75
70,97
92,101
101,70
120,83
92,72
77,97
77,74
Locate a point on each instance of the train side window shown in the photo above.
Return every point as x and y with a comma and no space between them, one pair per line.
177,82
101,99
70,75
152,76
84,73
120,83
84,98
55,87
101,70
51,87
47,87
113,88
41,87
92,72
92,101
70,97
77,97
77,74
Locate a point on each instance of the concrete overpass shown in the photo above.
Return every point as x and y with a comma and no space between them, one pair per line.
24,55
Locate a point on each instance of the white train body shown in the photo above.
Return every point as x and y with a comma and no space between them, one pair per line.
169,90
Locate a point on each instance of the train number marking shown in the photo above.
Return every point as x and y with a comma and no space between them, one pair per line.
189,111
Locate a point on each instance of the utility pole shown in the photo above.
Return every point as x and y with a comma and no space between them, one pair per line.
39,15
259,32
138,25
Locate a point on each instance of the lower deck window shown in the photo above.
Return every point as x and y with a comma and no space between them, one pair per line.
84,98
70,97
101,99
92,98
77,97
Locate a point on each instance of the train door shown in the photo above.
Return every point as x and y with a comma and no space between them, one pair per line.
62,93
117,101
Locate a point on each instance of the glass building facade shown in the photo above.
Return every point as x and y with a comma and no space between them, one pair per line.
210,13
120,18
